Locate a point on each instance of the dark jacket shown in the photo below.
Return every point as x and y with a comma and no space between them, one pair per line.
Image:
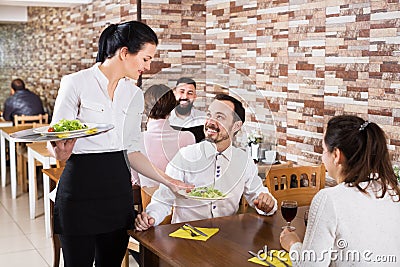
23,102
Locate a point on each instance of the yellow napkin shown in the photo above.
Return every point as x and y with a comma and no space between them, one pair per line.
283,256
186,234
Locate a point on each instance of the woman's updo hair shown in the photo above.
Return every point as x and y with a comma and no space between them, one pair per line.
364,146
132,34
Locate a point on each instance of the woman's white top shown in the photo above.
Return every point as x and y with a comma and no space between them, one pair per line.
83,95
349,228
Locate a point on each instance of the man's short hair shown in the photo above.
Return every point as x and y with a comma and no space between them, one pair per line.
18,84
159,101
186,80
238,107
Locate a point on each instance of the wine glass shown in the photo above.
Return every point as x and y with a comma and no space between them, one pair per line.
289,211
306,217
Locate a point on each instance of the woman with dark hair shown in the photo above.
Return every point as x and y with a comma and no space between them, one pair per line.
160,141
355,222
94,201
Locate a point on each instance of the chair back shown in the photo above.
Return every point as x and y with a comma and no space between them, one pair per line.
298,183
33,120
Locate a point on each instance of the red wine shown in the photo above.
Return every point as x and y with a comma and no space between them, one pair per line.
289,211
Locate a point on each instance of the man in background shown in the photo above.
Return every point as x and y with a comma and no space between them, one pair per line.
21,102
185,117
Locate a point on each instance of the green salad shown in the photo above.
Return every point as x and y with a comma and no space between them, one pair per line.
206,192
67,125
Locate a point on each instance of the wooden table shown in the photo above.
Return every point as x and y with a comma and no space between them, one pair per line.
54,174
4,123
5,135
39,152
237,234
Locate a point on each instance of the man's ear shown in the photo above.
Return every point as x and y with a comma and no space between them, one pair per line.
12,91
236,126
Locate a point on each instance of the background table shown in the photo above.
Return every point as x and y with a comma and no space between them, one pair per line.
39,152
54,174
5,135
237,234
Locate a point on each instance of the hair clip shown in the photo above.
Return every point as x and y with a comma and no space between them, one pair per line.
362,127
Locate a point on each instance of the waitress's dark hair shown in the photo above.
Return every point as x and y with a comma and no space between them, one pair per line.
364,146
131,34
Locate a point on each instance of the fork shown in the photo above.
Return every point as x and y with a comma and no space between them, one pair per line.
193,234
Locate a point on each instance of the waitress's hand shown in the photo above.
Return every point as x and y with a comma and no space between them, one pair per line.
63,148
176,185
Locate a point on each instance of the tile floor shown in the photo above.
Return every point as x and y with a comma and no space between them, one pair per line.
22,240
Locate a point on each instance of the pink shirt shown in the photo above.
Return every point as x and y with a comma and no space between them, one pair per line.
160,144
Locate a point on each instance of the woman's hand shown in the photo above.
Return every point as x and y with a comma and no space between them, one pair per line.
63,148
176,185
288,238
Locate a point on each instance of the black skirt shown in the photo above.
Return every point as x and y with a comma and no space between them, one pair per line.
94,195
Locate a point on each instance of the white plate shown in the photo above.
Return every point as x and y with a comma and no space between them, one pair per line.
44,130
183,193
30,136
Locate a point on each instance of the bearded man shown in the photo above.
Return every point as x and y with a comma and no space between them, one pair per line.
185,117
213,163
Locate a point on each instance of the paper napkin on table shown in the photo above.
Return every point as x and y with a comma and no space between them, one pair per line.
186,234
283,256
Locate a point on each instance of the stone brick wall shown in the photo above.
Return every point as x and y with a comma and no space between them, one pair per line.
309,59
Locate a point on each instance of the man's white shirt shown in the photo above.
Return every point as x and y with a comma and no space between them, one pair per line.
196,164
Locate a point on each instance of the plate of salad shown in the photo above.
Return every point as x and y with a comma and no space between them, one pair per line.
65,127
203,193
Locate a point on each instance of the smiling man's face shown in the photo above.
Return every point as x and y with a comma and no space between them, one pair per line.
185,94
219,125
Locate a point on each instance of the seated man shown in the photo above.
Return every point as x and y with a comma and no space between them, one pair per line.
21,102
213,163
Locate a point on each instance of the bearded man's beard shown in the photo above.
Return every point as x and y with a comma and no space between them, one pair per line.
184,110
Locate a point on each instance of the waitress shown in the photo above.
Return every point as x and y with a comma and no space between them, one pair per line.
94,203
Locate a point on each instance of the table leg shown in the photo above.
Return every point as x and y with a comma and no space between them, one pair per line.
3,160
46,199
32,180
147,257
13,170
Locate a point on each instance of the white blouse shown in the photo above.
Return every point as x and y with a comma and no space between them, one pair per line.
83,95
350,228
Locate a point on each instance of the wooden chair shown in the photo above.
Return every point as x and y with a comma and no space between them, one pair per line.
34,121
145,194
30,119
298,183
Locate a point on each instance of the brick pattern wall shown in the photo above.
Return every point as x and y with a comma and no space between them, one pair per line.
309,59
